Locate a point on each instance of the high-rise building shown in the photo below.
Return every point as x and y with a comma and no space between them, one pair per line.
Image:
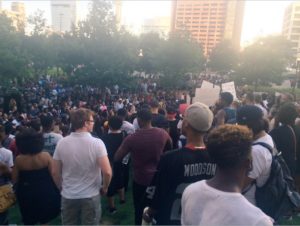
291,27
118,12
209,21
17,14
63,15
160,25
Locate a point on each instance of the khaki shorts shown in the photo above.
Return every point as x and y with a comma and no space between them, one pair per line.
85,211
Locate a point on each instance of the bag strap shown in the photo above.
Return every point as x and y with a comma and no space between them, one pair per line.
248,187
265,145
294,140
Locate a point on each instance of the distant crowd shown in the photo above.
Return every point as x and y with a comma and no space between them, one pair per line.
63,148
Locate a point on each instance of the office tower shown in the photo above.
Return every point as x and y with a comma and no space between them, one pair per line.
118,12
291,27
63,15
209,21
17,15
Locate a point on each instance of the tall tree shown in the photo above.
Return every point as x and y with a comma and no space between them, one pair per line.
179,56
37,22
100,21
13,59
265,60
224,57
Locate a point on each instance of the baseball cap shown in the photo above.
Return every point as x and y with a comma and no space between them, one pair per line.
199,116
249,113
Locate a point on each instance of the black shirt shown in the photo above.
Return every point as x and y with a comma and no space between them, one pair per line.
174,133
159,121
112,142
176,170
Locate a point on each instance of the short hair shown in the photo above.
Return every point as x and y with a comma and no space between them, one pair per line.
35,124
122,112
227,97
144,115
252,117
79,117
250,97
115,122
154,104
287,113
229,145
29,141
47,121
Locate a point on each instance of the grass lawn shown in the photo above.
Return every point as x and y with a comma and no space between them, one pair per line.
123,216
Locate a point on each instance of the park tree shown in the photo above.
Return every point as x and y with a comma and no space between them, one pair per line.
178,57
264,61
100,22
224,57
105,56
149,52
13,58
37,22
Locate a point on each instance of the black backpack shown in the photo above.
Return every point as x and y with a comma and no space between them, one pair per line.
278,196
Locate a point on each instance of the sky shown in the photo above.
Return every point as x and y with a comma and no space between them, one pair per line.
261,17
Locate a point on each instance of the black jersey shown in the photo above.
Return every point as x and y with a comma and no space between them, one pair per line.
176,170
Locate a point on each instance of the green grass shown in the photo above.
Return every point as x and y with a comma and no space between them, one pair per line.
123,216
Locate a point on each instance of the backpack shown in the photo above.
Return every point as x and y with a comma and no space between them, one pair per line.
278,196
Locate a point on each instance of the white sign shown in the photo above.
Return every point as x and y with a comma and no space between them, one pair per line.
206,84
207,96
230,88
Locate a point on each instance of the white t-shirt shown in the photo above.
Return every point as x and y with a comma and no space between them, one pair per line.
51,139
81,175
136,124
204,205
261,166
128,127
6,157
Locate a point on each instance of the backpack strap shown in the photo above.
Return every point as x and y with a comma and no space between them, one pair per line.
265,145
294,140
248,187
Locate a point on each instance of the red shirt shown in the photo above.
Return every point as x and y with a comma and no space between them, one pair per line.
146,147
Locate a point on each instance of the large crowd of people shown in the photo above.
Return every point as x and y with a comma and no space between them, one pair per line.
65,147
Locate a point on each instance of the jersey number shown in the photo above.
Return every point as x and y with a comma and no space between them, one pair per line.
176,207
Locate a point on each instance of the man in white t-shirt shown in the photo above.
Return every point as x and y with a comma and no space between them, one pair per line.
79,160
252,117
219,201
